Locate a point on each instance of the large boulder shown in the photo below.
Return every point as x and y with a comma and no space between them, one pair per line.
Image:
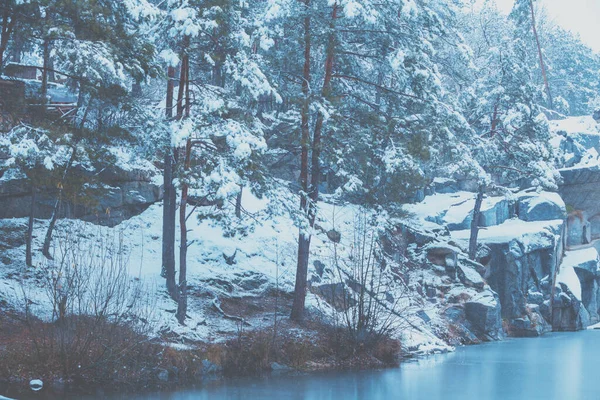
494,211
579,230
543,206
519,266
334,294
459,326
484,313
469,276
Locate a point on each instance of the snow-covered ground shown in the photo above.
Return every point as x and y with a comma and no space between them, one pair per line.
265,259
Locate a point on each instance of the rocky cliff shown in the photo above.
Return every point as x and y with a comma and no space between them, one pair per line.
118,192
522,241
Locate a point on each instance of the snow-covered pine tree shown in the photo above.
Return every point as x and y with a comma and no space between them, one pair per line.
216,132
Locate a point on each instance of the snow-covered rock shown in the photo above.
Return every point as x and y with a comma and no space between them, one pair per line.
579,271
543,206
568,313
484,313
521,259
469,276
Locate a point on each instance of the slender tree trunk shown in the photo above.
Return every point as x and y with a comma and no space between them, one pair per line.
53,219
238,203
8,24
181,93
29,239
55,210
183,245
475,223
169,201
303,237
494,121
312,191
44,91
184,112
315,173
539,48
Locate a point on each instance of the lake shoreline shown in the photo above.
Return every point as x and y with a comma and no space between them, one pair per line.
166,366
462,358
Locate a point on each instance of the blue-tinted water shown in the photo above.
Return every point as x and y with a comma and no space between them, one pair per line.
563,366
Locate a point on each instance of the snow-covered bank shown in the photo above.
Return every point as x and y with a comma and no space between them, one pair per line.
224,268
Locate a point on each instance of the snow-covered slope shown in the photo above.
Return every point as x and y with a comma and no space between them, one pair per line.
222,291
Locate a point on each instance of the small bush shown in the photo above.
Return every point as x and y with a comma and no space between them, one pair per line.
372,291
248,354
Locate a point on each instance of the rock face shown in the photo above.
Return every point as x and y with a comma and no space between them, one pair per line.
119,194
520,271
579,280
568,313
484,315
531,325
521,256
476,319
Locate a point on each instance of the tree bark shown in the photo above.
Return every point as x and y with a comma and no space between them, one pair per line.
181,93
238,203
55,210
310,196
539,48
475,223
303,237
183,245
29,239
184,112
169,201
51,70
44,90
315,173
8,23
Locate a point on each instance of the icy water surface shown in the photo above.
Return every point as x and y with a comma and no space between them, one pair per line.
563,366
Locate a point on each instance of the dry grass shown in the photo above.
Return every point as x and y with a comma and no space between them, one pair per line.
87,353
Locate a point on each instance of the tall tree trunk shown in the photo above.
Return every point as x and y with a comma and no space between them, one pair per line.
29,239
539,48
169,201
55,210
181,93
8,24
315,173
44,91
303,237
184,103
183,245
312,192
475,223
